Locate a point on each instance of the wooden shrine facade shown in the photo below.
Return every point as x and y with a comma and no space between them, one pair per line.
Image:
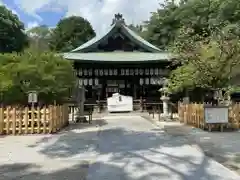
137,81
122,62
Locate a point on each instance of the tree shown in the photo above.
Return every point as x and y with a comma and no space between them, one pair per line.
70,33
12,36
39,38
163,25
202,16
48,74
205,36
209,63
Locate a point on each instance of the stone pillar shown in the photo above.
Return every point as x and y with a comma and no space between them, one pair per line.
166,114
81,100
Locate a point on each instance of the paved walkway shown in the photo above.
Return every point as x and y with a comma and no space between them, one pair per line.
121,147
223,147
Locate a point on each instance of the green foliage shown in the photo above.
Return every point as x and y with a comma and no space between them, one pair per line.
12,36
202,16
213,61
39,38
163,25
70,33
182,78
139,29
50,75
205,35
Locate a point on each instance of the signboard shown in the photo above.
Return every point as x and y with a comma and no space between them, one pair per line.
32,97
186,100
120,103
216,114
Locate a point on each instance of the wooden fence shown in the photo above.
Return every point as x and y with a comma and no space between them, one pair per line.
193,114
39,120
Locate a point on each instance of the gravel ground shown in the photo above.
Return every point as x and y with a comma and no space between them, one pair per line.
118,146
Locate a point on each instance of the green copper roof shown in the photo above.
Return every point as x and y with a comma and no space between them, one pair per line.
118,56
118,24
84,52
93,41
138,38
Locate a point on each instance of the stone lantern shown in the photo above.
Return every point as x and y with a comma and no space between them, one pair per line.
165,99
80,99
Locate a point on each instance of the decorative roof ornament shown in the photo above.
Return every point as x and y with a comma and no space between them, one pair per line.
118,19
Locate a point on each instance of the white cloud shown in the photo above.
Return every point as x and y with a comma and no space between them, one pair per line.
98,12
31,25
31,7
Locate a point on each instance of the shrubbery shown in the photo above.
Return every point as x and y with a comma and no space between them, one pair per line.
48,74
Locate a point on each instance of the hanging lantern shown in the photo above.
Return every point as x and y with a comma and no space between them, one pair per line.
141,81
101,72
115,72
146,80
80,82
90,82
141,71
105,72
96,81
147,71
90,72
127,72
156,71
85,82
110,72
151,71
96,72
122,72
131,72
85,72
80,73
136,71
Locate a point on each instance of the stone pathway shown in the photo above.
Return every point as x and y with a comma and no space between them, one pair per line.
223,147
125,147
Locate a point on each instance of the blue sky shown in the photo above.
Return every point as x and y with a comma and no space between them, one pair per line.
98,12
49,18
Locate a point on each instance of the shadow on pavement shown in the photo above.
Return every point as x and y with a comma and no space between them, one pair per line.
123,154
104,171
127,148
77,172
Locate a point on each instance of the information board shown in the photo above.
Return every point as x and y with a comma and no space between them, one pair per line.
216,114
32,97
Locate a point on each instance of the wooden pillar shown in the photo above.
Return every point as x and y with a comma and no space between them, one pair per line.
134,91
141,103
104,85
98,96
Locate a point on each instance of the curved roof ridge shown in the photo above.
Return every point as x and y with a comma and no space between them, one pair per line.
94,40
119,23
138,37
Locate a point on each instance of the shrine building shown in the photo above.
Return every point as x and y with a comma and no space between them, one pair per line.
120,61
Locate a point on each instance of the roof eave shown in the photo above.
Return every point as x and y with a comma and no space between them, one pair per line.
119,61
96,40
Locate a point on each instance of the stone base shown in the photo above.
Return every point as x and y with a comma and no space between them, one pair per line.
81,119
164,117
